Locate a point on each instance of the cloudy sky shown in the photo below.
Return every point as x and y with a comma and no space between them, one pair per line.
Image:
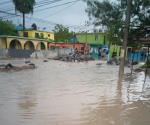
47,13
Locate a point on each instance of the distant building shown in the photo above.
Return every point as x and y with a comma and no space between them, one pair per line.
79,46
36,34
95,40
28,39
92,38
19,27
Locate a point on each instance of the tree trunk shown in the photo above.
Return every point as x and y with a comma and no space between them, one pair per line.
104,40
126,32
23,21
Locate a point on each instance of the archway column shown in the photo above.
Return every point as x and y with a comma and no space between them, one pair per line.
39,46
46,45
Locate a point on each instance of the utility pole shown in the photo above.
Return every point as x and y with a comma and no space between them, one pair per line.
86,24
86,36
125,41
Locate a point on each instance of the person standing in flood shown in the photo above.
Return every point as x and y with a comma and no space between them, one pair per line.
103,54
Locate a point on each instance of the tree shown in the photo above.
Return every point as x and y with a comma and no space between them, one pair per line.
125,42
34,26
7,28
24,7
107,14
111,15
62,33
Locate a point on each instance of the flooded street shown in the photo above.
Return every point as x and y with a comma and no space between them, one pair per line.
60,93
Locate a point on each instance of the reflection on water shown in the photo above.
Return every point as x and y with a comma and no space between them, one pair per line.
59,93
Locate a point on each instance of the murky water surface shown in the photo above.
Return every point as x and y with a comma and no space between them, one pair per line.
59,93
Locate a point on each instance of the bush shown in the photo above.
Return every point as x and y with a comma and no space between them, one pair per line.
146,65
7,28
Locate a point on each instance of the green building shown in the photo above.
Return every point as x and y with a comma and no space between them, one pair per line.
95,40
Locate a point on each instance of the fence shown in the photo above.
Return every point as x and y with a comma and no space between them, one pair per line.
18,53
138,56
3,53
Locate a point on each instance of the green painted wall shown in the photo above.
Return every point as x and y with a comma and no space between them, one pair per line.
92,38
114,48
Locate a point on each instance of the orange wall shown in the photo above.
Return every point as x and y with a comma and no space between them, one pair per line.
67,45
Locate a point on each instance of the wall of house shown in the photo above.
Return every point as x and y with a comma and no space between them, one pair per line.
3,43
98,40
20,43
92,38
41,34
31,34
114,49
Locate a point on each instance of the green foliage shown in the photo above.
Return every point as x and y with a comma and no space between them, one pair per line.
34,26
62,33
108,14
7,28
50,40
140,12
24,6
146,65
140,18
112,15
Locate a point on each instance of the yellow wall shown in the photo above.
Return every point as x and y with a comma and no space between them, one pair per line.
9,40
3,43
6,41
31,34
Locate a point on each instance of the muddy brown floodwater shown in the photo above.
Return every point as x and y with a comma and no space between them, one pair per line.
59,93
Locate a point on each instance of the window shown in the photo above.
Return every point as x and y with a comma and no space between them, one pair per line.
41,35
36,35
25,34
49,35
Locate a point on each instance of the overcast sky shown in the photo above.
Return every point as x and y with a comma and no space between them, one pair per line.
69,14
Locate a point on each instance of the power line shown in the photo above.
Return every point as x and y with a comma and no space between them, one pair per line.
4,2
37,19
14,15
1,11
45,8
46,3
58,5
62,9
41,4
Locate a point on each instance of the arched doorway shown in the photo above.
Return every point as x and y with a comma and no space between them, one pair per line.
29,45
41,46
15,44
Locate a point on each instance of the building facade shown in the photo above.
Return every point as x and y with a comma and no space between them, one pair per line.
92,38
27,40
36,34
95,40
